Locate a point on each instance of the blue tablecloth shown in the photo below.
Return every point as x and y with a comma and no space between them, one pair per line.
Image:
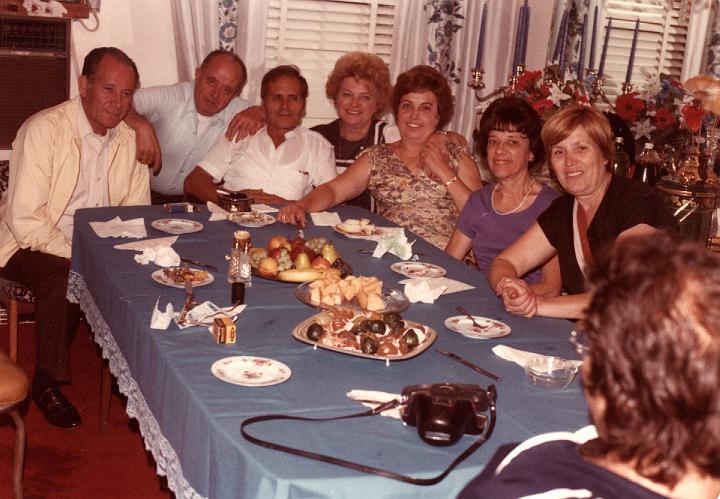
191,420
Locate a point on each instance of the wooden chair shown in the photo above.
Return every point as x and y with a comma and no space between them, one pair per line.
16,298
13,391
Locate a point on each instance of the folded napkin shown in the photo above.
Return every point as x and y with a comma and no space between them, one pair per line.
398,245
216,213
451,285
423,290
161,320
118,228
206,312
372,399
521,357
263,208
161,255
147,243
325,219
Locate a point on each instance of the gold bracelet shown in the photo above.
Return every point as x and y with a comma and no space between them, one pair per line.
453,179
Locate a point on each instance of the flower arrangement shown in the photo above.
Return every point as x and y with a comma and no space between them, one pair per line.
544,94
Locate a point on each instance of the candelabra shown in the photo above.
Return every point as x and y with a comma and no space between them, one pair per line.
477,84
627,88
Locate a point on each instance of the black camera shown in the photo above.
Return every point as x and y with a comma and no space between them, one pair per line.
444,412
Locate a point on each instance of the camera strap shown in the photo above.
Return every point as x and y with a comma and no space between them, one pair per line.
361,467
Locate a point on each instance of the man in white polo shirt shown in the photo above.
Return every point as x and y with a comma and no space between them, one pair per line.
282,162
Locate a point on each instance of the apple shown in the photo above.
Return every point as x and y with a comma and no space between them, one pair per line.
278,242
301,261
320,263
275,253
268,267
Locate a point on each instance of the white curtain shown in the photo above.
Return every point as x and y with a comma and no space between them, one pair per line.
250,44
695,45
195,23
413,33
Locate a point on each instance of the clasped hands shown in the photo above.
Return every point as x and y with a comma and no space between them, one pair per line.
517,296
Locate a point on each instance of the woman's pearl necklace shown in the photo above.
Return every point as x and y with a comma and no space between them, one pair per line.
492,201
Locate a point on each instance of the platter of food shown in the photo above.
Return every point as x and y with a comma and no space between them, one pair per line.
355,293
177,225
250,371
362,229
372,336
176,276
251,219
298,260
487,328
416,270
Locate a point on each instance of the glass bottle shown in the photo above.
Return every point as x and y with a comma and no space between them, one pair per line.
239,270
621,163
647,166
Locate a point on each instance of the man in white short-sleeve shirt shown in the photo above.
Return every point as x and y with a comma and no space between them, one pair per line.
280,163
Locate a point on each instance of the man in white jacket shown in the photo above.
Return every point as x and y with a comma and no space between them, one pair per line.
75,155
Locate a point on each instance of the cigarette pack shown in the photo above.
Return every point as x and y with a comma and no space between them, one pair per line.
223,330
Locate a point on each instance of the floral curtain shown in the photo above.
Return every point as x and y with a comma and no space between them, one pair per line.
227,22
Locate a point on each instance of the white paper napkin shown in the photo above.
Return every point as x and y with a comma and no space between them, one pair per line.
451,285
263,208
164,256
216,213
372,399
147,243
116,227
325,218
521,357
161,320
397,245
204,314
423,290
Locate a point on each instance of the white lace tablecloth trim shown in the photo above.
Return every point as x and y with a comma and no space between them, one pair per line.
165,457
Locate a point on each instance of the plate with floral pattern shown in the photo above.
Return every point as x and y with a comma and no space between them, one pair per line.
246,370
416,270
177,225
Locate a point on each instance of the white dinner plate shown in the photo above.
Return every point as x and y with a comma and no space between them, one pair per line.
161,277
489,328
252,219
177,225
250,371
416,270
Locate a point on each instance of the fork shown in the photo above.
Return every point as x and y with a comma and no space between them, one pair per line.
467,314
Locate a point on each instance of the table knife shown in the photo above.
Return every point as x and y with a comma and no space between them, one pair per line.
469,364
199,264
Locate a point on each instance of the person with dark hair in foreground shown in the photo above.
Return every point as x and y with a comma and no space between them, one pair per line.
78,154
650,374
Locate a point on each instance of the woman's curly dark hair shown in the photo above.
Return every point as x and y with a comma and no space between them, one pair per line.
425,79
512,114
653,328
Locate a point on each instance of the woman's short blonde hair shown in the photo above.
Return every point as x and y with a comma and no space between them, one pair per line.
563,123
362,66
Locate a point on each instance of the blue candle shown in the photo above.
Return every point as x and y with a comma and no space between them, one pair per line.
592,40
558,40
481,39
518,37
628,75
525,33
601,71
563,44
581,55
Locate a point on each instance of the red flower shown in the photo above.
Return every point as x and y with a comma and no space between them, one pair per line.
542,106
664,119
528,79
693,116
544,90
628,106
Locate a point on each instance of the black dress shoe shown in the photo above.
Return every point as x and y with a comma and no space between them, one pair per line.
57,409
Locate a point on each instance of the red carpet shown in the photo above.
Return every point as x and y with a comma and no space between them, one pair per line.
81,462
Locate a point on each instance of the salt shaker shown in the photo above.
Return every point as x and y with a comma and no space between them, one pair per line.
239,270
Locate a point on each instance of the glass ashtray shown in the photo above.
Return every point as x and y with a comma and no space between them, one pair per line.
550,372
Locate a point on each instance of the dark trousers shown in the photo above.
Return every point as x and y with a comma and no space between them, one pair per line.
56,319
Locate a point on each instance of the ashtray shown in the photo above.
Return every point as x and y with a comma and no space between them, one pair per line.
550,372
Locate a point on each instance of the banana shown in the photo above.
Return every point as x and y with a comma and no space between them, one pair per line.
303,275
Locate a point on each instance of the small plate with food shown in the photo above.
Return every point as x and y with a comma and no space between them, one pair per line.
252,219
357,293
417,270
177,225
177,276
246,370
369,335
355,227
484,329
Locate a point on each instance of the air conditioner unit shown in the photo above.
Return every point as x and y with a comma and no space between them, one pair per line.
34,69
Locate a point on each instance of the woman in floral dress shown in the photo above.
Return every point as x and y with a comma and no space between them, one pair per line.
420,182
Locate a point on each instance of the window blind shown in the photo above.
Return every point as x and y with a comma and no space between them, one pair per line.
313,34
661,40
